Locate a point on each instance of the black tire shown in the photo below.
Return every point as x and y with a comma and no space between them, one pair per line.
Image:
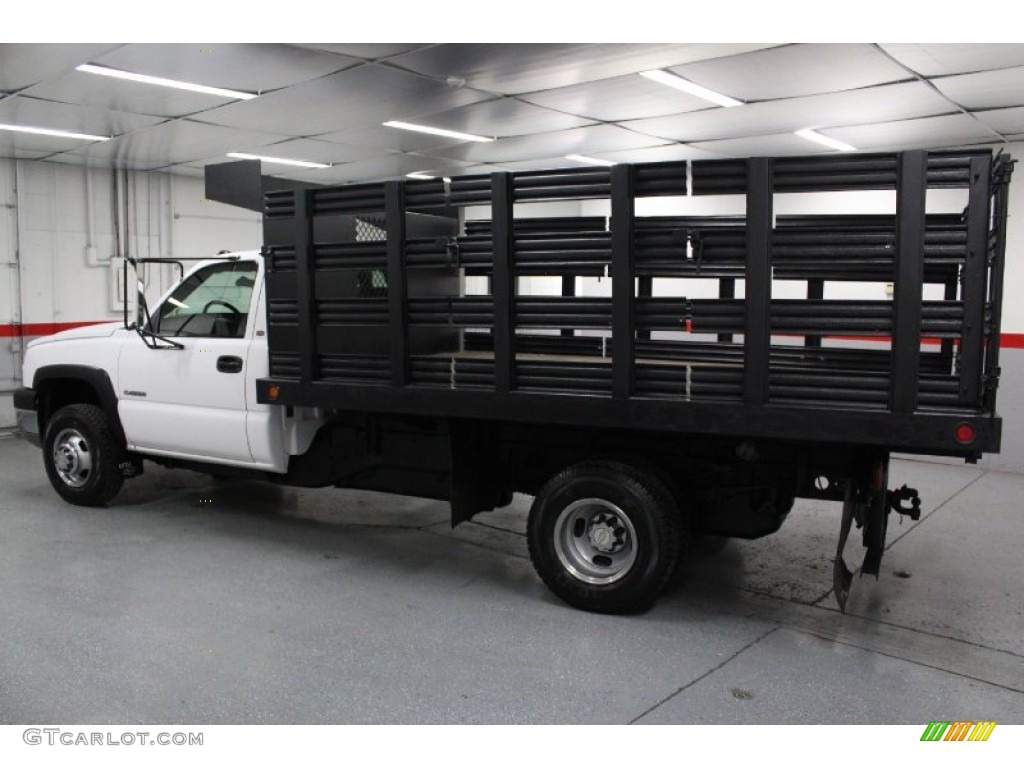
82,457
605,536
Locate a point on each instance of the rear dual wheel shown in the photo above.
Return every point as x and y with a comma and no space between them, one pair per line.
605,536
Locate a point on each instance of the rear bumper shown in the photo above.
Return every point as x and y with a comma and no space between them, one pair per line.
26,415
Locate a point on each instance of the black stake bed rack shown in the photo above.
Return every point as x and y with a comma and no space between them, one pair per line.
368,309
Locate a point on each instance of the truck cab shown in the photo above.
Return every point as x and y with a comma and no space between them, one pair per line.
179,387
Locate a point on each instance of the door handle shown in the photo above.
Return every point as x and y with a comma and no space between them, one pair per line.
229,364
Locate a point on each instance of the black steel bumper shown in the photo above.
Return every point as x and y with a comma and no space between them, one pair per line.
25,413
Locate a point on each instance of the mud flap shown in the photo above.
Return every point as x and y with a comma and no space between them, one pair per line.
868,503
842,576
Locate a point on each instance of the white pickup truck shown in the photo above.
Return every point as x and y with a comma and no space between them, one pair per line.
100,397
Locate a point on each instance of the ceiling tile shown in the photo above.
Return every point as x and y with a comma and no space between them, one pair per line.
985,90
376,169
71,158
866,105
476,170
22,110
944,131
379,137
629,97
502,118
1006,121
183,170
365,50
123,95
795,70
25,64
661,154
935,59
514,68
366,95
542,164
27,147
306,149
583,141
254,67
178,141
756,146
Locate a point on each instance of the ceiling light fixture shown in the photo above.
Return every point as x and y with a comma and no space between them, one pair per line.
588,160
280,160
53,132
435,131
818,138
675,81
163,81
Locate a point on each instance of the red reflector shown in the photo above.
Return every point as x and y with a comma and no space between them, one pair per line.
274,391
965,434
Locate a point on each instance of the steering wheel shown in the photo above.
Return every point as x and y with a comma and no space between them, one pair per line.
220,301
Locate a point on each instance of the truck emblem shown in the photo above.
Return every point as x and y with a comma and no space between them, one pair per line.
134,393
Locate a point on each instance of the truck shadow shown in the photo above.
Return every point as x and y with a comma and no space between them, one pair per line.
413,536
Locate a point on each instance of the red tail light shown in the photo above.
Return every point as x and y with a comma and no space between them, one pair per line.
965,434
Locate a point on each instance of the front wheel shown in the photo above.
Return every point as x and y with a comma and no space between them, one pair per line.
605,536
81,456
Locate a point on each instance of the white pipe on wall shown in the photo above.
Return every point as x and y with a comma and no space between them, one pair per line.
91,255
18,311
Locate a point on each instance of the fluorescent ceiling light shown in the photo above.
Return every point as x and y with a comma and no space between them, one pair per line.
53,132
436,131
588,160
426,177
149,79
280,160
814,136
674,81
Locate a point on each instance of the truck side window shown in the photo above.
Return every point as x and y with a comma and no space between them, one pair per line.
213,302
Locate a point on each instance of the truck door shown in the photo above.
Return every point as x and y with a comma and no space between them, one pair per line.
191,402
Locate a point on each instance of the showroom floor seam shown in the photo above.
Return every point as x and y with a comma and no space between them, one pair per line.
710,672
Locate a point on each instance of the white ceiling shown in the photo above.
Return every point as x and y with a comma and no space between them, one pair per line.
326,103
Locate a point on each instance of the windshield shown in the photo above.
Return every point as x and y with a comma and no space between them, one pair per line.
213,301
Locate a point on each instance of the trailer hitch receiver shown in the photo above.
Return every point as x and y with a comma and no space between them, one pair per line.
900,495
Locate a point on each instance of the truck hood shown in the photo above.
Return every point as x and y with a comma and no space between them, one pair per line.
85,332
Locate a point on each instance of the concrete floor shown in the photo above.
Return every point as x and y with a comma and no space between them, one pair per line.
193,601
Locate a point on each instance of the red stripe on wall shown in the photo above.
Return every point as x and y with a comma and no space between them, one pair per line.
42,329
1008,340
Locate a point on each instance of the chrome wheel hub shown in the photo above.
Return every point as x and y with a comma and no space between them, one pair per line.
72,458
595,541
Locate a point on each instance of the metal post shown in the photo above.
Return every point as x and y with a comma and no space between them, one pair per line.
623,290
398,322
1000,202
726,290
975,268
911,187
503,282
757,326
947,350
568,291
815,292
304,283
644,290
